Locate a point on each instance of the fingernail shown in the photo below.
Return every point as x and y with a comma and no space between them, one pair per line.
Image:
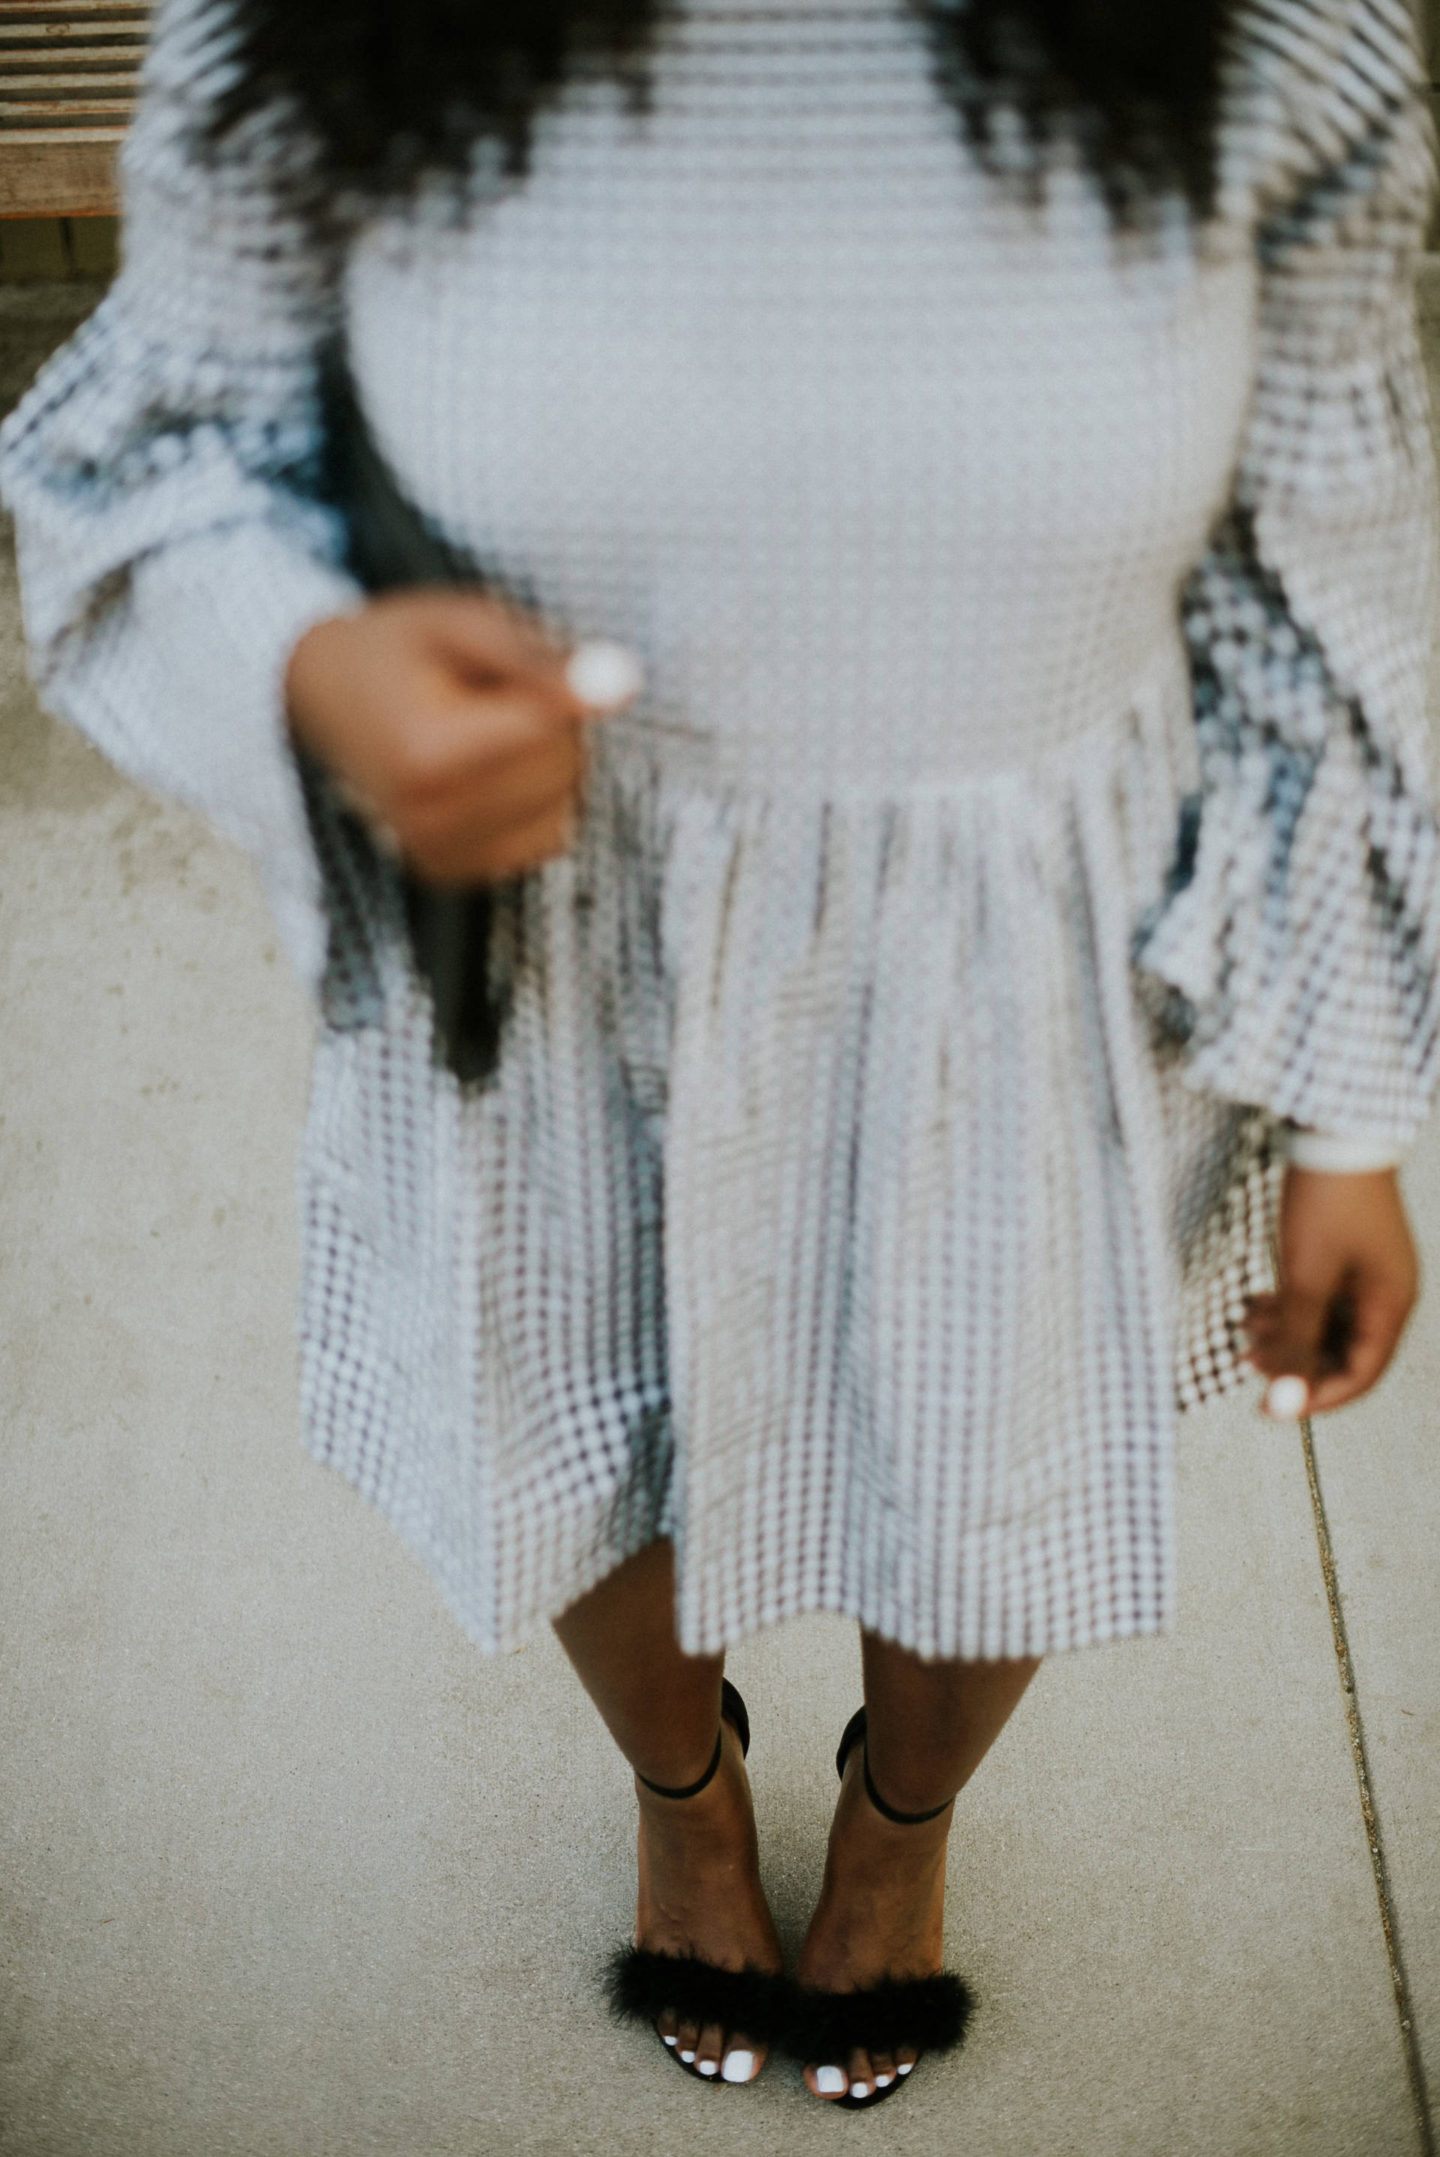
1286,1399
739,2066
830,2081
709,2067
604,675
904,2067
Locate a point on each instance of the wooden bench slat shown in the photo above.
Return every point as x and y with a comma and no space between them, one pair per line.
61,10
14,85
66,176
43,112
26,39
13,57
26,137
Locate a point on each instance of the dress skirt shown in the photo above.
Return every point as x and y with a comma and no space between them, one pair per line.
1027,812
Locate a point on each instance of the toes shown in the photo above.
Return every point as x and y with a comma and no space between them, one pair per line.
687,2039
667,2026
742,2062
862,2074
710,2050
905,2058
884,2066
828,2082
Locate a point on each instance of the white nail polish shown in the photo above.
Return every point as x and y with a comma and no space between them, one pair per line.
883,2082
830,2081
739,2066
859,2089
1287,1399
904,2067
604,675
688,2058
709,2067
671,2040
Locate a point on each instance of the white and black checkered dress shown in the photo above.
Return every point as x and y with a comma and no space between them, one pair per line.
1028,807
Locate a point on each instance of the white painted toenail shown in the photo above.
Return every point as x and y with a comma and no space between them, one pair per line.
830,2081
860,2089
883,2082
709,2067
672,2040
904,2067
739,2066
687,2057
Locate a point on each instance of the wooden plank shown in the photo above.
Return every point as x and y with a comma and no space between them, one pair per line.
52,108
44,124
13,85
105,131
35,10
35,44
68,177
17,64
24,37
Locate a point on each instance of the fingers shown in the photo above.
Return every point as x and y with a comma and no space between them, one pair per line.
455,725
1287,1337
516,851
488,816
1374,1334
1338,1348
485,643
455,741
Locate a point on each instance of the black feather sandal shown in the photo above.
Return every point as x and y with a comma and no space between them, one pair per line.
642,1984
922,2014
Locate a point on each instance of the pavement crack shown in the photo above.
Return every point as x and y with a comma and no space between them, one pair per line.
1389,1923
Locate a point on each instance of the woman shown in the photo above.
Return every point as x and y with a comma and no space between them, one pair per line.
998,432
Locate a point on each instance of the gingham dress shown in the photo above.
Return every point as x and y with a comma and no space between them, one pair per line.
1028,807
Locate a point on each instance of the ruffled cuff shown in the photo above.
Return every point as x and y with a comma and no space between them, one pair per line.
181,684
1335,1154
1298,941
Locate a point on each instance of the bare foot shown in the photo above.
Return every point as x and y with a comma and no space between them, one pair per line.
881,1914
700,1894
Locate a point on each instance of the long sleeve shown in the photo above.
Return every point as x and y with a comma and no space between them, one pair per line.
171,556
1299,942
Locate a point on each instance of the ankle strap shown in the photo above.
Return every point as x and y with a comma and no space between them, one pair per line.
888,1812
732,1711
701,1782
856,1733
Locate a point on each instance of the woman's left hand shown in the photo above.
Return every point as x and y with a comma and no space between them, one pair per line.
1349,1276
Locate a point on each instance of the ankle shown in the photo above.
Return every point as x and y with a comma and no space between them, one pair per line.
680,1790
904,1804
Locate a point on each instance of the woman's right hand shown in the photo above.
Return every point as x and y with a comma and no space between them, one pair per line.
447,718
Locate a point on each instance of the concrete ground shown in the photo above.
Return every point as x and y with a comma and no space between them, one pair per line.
287,1870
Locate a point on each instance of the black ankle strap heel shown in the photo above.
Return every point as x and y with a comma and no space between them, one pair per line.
919,2014
855,1734
732,1711
644,1985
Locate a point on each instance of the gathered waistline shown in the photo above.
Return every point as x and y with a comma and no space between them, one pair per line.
1156,706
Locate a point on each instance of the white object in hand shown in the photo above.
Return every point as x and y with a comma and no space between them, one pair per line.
604,675
1286,1399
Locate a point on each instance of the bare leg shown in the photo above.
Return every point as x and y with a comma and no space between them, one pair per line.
699,1878
882,1906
